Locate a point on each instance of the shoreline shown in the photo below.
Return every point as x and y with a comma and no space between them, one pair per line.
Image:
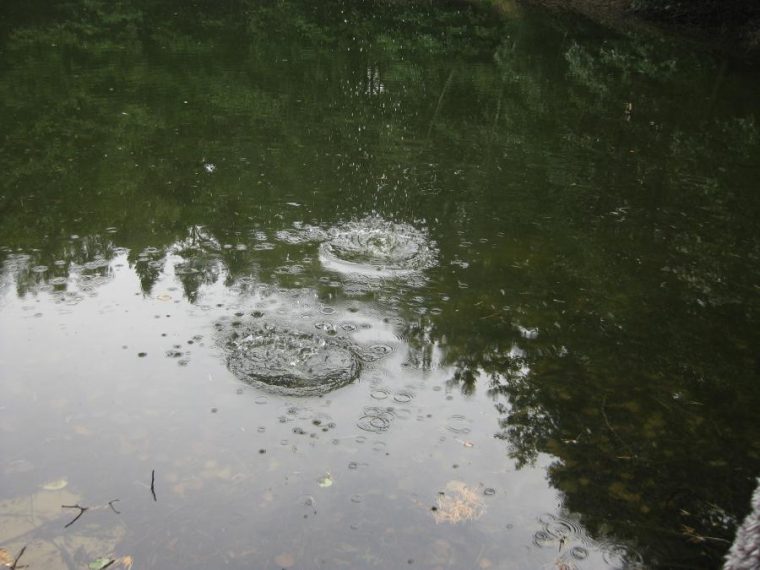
742,41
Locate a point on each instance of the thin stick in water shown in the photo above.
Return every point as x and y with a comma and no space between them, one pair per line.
76,518
15,565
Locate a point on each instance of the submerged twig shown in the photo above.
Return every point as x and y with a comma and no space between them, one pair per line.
696,538
83,509
440,102
609,425
15,565
153,484
76,518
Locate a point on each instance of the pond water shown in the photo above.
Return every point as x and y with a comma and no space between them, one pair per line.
372,285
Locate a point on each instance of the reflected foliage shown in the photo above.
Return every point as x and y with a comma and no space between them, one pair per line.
591,196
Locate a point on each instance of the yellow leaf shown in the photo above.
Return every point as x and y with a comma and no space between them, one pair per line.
126,562
285,560
5,558
55,485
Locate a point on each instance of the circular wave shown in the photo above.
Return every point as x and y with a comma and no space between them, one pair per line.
291,361
374,246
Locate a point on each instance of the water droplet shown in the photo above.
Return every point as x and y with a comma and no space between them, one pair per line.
375,247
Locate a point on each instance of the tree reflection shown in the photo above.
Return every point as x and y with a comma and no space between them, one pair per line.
654,437
591,194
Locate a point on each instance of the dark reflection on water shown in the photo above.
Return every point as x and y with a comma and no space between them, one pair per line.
499,223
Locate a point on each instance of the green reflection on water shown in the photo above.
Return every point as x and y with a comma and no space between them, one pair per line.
590,197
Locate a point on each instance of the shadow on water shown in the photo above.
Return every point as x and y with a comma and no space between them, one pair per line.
306,267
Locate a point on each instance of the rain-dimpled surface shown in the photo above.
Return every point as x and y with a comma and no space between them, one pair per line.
375,246
321,267
289,360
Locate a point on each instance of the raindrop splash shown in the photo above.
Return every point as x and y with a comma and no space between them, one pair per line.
376,247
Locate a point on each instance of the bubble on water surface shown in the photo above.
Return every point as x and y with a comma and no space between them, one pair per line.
289,360
376,247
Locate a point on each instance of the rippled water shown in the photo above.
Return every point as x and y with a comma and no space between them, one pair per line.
297,362
372,285
377,248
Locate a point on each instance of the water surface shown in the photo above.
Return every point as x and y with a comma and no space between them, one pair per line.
369,285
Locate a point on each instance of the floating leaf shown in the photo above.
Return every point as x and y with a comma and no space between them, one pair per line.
126,562
285,560
460,503
5,558
56,485
100,563
325,481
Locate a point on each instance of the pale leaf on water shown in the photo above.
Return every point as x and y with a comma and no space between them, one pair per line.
285,560
56,485
5,558
325,481
459,503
